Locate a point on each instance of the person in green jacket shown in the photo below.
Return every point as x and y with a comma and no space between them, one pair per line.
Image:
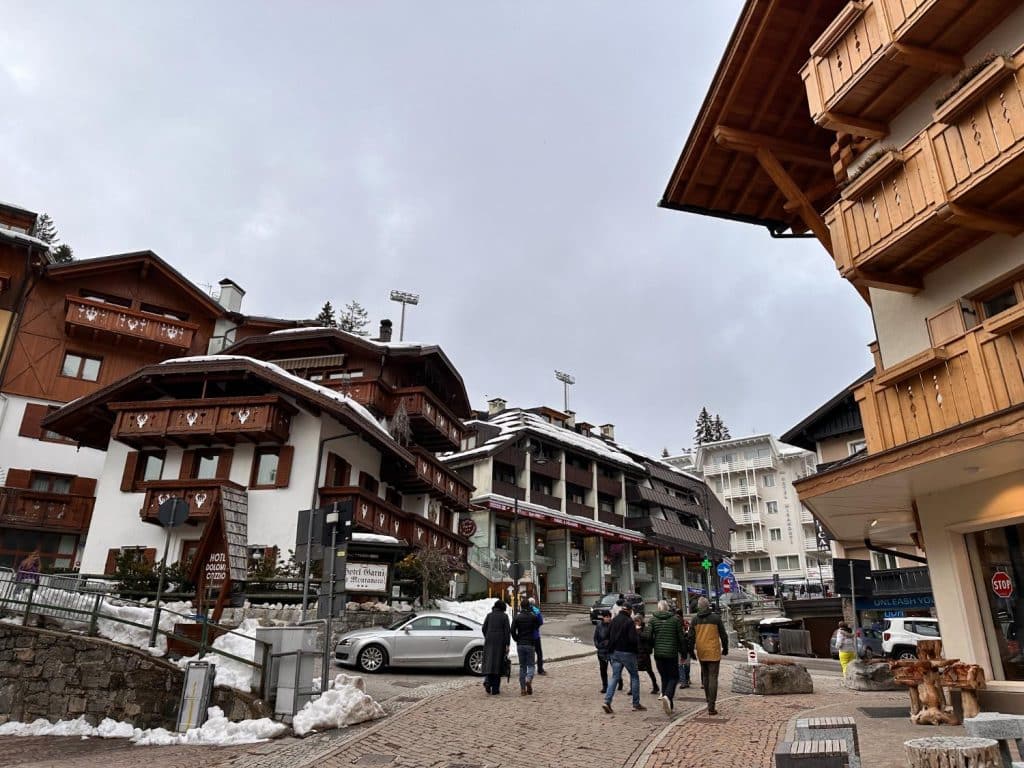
669,643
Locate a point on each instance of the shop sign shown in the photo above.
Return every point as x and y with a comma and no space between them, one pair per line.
366,577
902,603
467,526
606,569
574,558
895,614
1001,584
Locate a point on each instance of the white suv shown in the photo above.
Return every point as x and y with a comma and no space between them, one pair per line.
900,636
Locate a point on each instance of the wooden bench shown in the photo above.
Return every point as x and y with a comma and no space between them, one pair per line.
843,728
812,753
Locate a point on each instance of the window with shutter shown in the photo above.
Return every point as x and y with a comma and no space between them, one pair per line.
266,465
224,464
284,466
30,419
110,567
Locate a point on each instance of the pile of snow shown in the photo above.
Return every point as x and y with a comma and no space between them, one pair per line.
475,610
569,639
344,703
374,538
240,643
217,730
369,606
111,628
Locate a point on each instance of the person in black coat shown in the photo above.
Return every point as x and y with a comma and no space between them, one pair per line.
497,637
601,644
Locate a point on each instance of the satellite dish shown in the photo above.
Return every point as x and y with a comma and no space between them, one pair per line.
172,512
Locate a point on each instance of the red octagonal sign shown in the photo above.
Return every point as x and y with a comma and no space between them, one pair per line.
1001,584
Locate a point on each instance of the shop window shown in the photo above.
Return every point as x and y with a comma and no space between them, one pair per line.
998,568
80,367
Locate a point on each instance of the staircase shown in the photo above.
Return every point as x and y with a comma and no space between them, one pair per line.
564,610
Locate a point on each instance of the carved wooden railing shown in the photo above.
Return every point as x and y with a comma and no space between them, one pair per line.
970,377
257,418
202,497
439,480
58,512
948,188
432,423
141,326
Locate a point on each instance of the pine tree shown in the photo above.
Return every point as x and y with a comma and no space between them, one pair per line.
664,453
704,433
326,317
44,229
719,430
354,318
63,254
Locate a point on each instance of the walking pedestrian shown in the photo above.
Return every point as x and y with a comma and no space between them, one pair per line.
684,658
601,644
536,636
623,642
846,645
497,636
28,569
710,643
643,656
523,627
668,642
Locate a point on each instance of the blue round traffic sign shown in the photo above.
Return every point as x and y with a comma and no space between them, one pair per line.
724,570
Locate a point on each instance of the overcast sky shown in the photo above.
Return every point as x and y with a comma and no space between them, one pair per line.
503,160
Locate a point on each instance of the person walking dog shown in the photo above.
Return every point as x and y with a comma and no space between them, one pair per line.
710,643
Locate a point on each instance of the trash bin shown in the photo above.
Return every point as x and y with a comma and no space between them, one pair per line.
291,664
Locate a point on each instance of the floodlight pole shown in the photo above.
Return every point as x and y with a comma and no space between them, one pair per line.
566,380
403,298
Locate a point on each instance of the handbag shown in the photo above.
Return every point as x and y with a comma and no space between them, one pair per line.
506,668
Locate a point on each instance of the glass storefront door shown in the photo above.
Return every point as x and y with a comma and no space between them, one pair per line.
997,563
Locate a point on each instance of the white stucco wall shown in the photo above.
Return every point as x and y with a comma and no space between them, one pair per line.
28,453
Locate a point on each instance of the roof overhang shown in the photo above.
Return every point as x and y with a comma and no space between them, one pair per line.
849,498
754,155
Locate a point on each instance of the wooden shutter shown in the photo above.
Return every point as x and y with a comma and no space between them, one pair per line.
34,413
188,462
83,486
270,555
131,462
149,556
19,478
111,565
338,471
224,464
284,466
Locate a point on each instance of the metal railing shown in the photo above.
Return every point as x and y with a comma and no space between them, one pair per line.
899,581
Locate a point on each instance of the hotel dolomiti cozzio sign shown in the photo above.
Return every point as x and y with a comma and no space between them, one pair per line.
366,577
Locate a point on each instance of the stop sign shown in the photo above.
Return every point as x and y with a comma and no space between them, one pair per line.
1001,584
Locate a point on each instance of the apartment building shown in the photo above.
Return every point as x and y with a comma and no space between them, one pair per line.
899,144
774,545
583,515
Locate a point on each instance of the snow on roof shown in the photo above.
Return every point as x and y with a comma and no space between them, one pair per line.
13,234
374,538
367,339
348,402
303,329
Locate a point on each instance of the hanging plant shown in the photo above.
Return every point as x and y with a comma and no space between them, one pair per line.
965,75
870,159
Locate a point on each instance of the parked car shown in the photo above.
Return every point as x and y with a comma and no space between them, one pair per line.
606,603
900,636
430,639
867,642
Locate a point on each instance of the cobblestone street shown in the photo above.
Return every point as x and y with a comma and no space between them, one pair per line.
561,726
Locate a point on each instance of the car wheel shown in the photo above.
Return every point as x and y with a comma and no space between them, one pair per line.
372,658
905,654
475,662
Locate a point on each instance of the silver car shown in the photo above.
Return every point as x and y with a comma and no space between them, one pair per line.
430,639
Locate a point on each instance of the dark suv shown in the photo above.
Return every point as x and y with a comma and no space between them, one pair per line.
606,603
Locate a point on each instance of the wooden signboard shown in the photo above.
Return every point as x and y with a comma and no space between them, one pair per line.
221,559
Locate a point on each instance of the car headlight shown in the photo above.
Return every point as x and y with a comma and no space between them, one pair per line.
346,641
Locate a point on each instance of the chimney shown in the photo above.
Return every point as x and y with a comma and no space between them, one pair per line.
495,406
385,331
230,295
608,431
570,422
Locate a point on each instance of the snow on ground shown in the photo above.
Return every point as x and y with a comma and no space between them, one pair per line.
217,730
241,643
475,610
568,639
138,637
344,703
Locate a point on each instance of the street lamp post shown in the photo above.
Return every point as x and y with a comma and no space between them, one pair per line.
515,569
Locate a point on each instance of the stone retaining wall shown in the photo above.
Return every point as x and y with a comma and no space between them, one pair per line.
59,676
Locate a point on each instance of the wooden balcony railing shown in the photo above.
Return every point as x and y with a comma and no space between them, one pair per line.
432,424
430,476
190,422
878,55
580,510
38,510
970,377
120,322
950,187
202,497
578,476
612,486
375,515
547,468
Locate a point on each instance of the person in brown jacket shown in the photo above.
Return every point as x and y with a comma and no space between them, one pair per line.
710,643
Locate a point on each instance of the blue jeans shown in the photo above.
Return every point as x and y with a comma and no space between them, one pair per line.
622,659
527,660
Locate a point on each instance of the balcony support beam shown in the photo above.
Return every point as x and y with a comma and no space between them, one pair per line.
748,142
885,281
771,165
926,59
973,218
857,126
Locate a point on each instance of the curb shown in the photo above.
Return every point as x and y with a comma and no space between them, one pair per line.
640,760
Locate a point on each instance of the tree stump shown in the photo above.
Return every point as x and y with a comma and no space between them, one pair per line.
953,752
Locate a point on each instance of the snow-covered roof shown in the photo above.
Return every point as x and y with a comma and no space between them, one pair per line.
516,422
21,237
339,397
367,339
374,538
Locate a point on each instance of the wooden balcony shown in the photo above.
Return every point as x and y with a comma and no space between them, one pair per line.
879,55
202,497
119,324
373,514
546,500
946,190
970,377
203,422
580,510
584,478
37,510
611,486
547,468
507,489
432,424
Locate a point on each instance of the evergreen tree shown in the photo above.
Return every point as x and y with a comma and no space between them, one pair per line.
44,229
719,430
704,433
664,453
326,317
63,254
354,318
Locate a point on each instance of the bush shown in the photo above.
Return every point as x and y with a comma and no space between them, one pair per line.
965,75
870,159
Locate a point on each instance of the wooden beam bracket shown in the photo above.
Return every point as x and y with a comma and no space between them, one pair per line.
927,59
739,140
885,281
973,218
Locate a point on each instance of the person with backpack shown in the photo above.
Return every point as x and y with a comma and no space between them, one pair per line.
710,643
668,645
536,636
